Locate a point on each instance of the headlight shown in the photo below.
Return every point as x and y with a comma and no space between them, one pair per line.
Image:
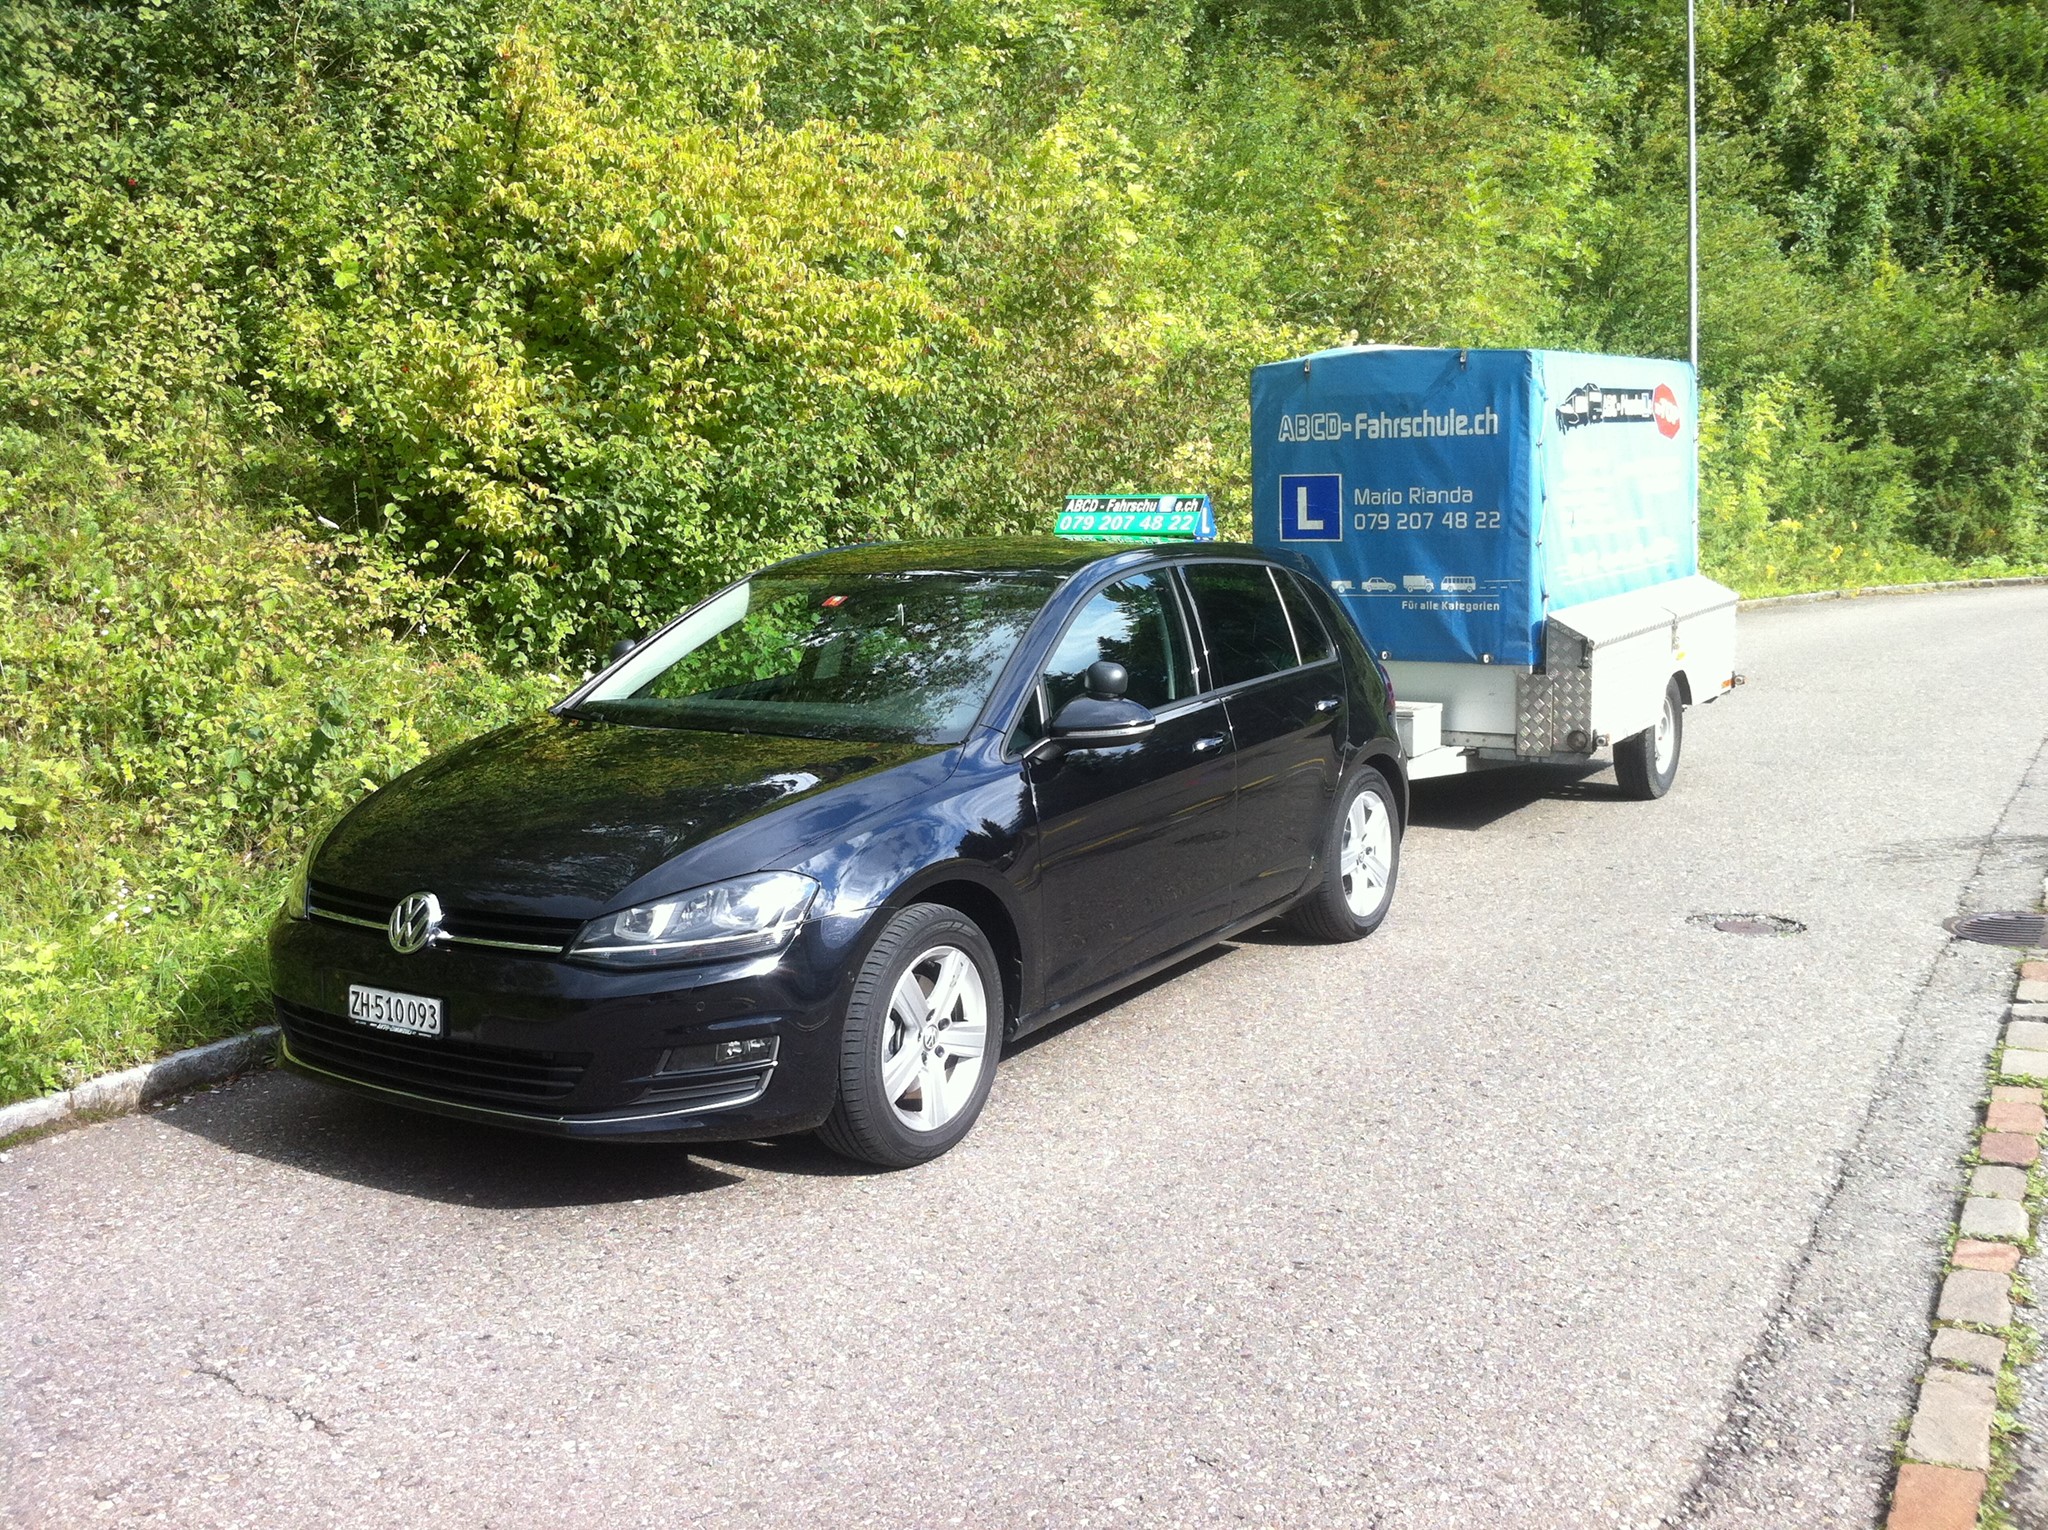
743,917
295,898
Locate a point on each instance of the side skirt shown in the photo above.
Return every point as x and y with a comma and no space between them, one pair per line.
1044,1017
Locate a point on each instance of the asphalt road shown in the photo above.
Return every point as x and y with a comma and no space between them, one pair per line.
1545,1206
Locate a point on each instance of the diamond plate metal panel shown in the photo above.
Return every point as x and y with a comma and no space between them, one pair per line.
1551,706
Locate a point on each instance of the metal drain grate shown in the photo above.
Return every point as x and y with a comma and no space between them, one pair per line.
2000,929
1749,924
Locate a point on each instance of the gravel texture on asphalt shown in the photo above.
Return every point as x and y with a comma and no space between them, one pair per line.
1543,1207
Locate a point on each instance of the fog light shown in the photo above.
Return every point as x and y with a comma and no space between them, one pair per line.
736,1053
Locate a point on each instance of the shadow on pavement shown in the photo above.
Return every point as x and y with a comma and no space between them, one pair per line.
290,1121
1476,801
806,1155
786,1155
1279,932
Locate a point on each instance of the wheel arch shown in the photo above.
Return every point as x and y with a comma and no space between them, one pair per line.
1388,763
993,912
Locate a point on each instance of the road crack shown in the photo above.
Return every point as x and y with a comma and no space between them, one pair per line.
306,1417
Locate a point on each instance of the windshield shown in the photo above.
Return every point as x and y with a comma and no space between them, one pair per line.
901,657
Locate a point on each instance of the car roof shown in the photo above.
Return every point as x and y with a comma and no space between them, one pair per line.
1056,556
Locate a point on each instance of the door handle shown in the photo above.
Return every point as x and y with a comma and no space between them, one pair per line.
1204,745
1328,704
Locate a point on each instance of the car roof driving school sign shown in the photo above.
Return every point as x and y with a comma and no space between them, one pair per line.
1137,518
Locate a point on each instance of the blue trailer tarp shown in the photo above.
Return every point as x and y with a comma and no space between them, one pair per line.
1453,498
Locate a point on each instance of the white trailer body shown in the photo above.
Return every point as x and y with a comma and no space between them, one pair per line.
1607,664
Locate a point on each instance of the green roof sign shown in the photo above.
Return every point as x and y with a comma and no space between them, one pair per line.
1137,518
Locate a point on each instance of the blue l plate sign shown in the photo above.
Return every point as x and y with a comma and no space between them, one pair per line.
1311,507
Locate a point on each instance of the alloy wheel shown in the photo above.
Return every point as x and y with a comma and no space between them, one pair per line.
1366,857
937,1034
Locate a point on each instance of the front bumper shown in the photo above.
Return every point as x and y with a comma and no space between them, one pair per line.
544,1045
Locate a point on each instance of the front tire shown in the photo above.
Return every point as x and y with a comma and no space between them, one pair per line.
917,1054
1361,862
1647,763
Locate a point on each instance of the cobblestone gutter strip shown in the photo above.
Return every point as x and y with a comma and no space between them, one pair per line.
1956,1457
1925,587
114,1094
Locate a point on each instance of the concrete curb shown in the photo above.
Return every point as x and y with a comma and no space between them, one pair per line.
1925,587
1947,1467
115,1094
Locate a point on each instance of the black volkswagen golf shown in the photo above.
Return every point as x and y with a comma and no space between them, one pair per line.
808,856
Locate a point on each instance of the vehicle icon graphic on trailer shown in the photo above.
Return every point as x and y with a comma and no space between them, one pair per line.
1459,584
1378,586
1418,584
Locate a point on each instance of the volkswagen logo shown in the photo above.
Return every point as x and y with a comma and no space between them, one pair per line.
415,923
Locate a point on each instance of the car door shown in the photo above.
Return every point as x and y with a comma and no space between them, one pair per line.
1133,842
1284,691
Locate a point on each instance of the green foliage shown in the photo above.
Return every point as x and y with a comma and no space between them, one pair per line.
1956,375
187,690
362,365
1787,503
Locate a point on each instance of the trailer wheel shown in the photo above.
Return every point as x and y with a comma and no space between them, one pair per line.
1361,858
1647,764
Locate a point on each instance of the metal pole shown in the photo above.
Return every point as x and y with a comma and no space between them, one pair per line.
1692,186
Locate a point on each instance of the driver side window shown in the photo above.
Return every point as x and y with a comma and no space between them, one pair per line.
1137,623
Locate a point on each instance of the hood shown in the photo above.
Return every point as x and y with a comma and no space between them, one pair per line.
556,817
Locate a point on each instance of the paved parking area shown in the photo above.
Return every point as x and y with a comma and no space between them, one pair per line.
1545,1206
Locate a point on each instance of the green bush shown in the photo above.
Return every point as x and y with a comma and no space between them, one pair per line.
188,690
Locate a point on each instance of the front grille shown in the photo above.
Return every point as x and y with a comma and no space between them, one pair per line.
461,1071
326,898
518,929
534,934
728,1086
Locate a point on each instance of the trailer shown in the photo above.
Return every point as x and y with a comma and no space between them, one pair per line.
1516,534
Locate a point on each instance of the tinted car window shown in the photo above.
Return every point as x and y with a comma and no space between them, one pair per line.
885,656
1135,622
1242,623
1310,635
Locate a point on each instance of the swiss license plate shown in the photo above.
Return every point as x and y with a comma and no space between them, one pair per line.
389,1011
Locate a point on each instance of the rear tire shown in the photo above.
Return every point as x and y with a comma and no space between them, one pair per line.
1360,864
1647,763
917,1053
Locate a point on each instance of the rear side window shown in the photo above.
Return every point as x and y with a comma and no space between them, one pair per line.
1242,621
1135,622
1310,635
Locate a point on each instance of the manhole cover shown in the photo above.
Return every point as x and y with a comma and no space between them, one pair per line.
2000,929
1749,924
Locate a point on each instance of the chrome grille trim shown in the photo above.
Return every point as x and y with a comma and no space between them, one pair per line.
446,939
321,898
316,912
500,945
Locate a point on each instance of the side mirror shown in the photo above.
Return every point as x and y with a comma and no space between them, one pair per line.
621,648
1107,680
1101,722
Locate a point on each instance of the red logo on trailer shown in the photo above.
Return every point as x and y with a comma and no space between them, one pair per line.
1664,405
